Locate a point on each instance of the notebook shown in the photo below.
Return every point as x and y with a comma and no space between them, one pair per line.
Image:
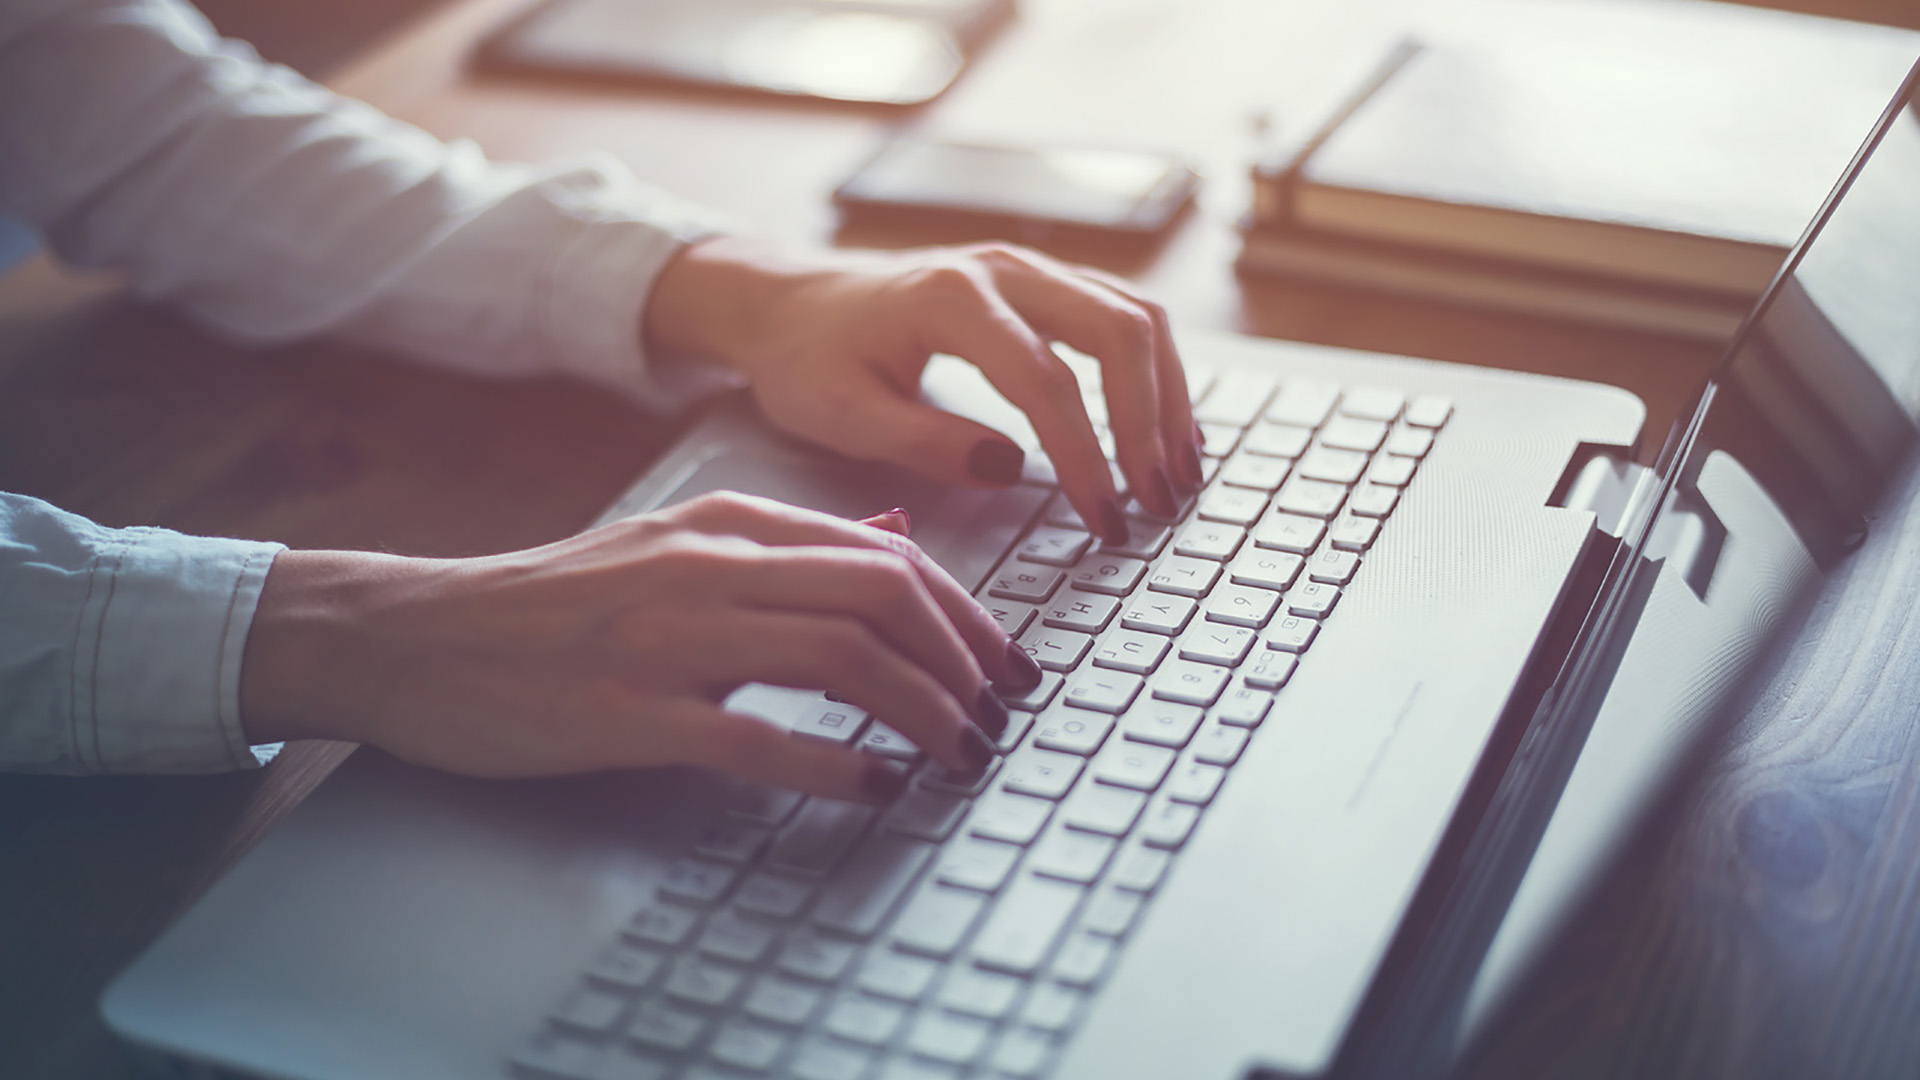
1288,803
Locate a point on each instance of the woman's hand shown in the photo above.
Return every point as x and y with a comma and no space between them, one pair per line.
834,345
615,648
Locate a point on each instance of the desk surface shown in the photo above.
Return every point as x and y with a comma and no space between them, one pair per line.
1766,926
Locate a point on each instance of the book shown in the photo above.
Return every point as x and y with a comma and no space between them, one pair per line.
1652,159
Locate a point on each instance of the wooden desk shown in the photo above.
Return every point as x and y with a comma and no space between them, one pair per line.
1767,928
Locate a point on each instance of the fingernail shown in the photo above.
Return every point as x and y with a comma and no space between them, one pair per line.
1195,477
1167,503
906,519
995,461
1022,672
1113,523
882,782
989,712
975,750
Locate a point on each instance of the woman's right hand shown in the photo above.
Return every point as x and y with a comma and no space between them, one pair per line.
615,648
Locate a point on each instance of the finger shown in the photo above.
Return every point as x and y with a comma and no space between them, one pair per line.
777,524
1177,431
987,332
1115,330
877,424
701,733
722,648
896,521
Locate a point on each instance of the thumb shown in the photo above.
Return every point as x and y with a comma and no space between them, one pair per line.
930,441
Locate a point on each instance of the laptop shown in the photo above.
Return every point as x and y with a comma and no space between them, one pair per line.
1317,768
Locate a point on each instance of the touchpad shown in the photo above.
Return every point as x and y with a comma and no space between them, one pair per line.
966,530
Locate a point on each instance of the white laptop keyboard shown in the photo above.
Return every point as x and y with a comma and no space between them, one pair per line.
962,930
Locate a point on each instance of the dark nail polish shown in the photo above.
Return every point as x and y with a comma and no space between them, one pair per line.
882,782
975,750
989,712
1166,503
1113,523
1022,672
995,461
1190,467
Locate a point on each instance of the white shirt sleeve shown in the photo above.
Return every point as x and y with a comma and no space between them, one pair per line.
135,139
120,648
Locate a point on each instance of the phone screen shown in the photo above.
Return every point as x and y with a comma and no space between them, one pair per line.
1091,187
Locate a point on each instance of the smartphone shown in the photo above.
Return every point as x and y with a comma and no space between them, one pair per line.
1018,191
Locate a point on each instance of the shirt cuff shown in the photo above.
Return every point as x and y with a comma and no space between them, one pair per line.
157,685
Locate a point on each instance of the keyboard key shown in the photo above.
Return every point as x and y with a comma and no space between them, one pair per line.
1132,651
1373,403
1219,744
1189,683
820,834
1008,817
667,1028
555,1055
781,1001
661,925
1168,823
1210,540
1037,698
730,937
862,897
1072,731
1084,612
883,740
1235,506
1053,546
1113,575
1214,643
1429,411
1354,533
1218,440
1256,474
1013,617
1313,599
1332,566
1392,471
1096,808
1022,927
1334,466
623,967
702,982
926,814
813,957
591,1010
1052,1007
818,1059
1236,398
1144,539
692,881
1101,690
864,1020
1161,723
1270,669
1082,960
1291,634
1290,533
1041,773
1310,498
1140,870
1026,582
1303,402
1410,442
936,920
1264,569
1071,856
941,778
977,864
1354,433
732,842
1241,605
1244,706
1110,913
747,1046
1276,440
1182,576
773,897
941,1036
1195,782
1373,500
893,975
1158,613
980,993
1056,650
1132,765
831,721
762,805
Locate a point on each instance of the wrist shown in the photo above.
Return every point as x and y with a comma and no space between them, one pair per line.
722,303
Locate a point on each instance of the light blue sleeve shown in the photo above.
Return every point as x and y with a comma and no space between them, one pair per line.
120,649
